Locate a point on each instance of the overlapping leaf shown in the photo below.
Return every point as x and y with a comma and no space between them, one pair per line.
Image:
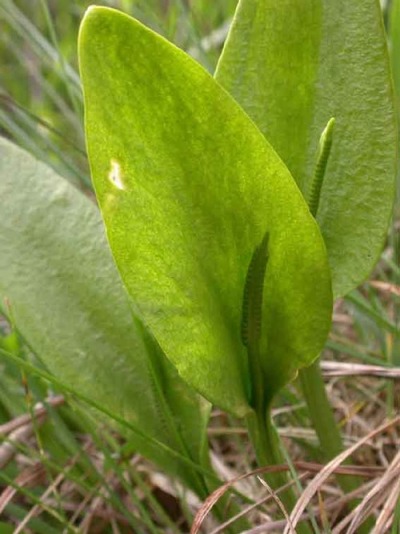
294,65
188,187
67,300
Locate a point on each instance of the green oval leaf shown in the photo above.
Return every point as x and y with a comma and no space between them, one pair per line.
188,187
294,65
68,302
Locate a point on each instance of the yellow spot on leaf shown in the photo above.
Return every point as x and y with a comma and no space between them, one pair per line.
115,175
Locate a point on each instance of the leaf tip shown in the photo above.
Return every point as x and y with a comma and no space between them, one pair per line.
91,9
93,12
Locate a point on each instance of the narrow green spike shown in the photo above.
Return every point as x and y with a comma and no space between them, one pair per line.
324,149
252,318
253,294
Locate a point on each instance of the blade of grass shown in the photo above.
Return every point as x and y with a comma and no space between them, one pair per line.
76,104
362,304
102,409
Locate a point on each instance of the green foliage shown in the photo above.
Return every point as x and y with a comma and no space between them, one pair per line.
68,302
41,106
40,93
221,257
188,187
294,65
394,35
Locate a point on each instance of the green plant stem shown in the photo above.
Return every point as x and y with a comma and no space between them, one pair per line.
324,423
320,410
321,413
312,383
268,449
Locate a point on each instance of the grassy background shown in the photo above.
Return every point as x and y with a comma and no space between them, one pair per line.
41,100
62,473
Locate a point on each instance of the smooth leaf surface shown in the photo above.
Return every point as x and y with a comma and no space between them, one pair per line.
294,65
66,297
188,187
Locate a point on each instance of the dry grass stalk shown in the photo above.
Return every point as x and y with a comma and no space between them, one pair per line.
328,470
373,500
386,287
308,468
28,478
38,508
336,369
386,516
21,428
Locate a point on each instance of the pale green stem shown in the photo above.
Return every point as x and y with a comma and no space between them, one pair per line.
323,419
268,449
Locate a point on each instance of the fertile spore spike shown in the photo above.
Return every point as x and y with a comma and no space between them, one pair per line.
253,294
324,149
